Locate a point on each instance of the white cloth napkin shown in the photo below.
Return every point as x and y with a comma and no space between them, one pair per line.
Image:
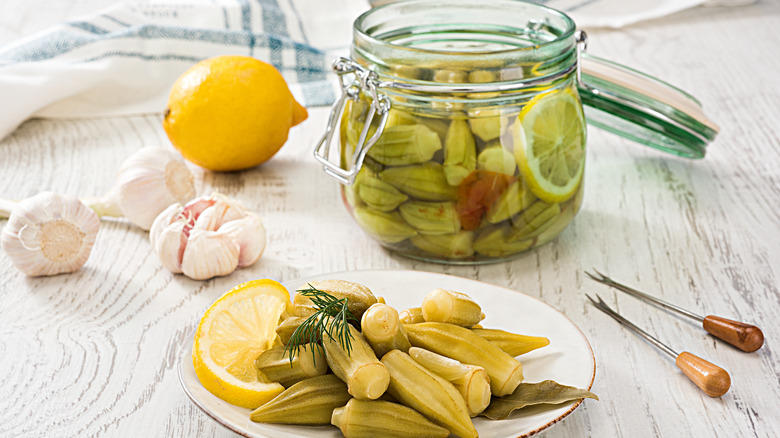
123,60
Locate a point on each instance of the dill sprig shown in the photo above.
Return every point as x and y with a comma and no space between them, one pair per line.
331,319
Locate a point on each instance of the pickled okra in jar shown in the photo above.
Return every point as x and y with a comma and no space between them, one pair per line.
469,186
483,150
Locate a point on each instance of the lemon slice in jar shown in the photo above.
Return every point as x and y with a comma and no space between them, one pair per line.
237,327
552,156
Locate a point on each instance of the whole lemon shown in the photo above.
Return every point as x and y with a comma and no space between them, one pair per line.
230,113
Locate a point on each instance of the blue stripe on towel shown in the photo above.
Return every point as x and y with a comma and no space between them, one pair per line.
116,20
144,56
62,41
274,21
89,27
310,95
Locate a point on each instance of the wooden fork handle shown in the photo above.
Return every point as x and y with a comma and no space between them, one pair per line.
712,379
746,337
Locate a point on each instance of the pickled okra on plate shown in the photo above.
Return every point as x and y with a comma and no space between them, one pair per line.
426,372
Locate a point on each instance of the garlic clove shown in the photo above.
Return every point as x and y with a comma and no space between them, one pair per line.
208,237
249,233
209,254
50,234
149,181
166,237
196,207
222,212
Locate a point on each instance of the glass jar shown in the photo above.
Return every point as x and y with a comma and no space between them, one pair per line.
461,128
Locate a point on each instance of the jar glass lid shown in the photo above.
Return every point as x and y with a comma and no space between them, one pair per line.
644,109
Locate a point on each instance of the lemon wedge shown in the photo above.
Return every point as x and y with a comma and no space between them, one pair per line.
239,326
551,154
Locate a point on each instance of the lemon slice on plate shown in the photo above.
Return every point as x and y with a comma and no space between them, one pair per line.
552,156
239,326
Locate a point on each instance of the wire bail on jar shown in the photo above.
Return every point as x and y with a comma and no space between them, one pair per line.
351,88
355,78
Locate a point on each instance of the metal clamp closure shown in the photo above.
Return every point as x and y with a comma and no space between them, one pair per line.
351,87
581,38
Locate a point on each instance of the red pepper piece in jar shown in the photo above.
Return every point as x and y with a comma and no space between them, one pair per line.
477,192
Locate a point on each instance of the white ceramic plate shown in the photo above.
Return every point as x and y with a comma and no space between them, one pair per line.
567,360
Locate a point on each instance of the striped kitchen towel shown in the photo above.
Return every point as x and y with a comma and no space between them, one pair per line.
123,60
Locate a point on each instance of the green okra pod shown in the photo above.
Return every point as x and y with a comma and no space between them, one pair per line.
431,217
487,124
462,344
388,227
405,144
378,194
497,159
470,380
513,344
496,241
309,401
383,329
276,366
366,377
412,315
426,181
453,246
452,307
534,219
377,418
512,201
286,328
359,297
460,152
431,395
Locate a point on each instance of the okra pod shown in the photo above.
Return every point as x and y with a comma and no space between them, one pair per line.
460,152
497,159
512,201
359,297
286,328
402,145
275,364
309,401
388,227
470,380
512,344
370,419
431,395
453,246
494,241
431,218
412,315
486,124
534,219
462,344
376,193
383,329
366,377
451,307
425,181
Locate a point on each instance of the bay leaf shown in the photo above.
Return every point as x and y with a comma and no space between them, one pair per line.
527,394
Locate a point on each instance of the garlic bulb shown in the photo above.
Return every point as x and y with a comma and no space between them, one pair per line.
208,237
147,182
50,234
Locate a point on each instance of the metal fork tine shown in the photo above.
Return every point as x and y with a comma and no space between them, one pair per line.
601,305
603,279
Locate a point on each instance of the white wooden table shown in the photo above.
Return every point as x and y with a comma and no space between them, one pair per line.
94,353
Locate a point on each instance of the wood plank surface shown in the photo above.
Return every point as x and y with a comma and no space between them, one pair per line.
94,353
